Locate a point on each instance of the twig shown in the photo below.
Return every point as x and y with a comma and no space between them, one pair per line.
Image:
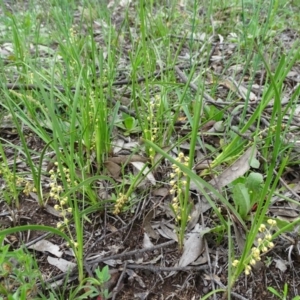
41,237
117,287
157,269
60,277
125,254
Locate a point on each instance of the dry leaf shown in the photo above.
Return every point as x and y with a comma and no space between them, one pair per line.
161,192
194,216
147,225
140,166
52,211
146,241
281,264
239,236
236,170
46,246
193,246
61,264
118,145
113,169
167,233
132,275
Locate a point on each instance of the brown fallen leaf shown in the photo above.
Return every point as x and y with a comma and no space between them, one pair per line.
147,225
141,167
113,168
161,192
236,170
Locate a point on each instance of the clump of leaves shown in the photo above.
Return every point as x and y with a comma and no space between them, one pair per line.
284,294
246,192
19,274
98,283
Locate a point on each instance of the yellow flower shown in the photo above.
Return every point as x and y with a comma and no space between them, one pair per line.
235,263
59,225
262,227
181,155
272,222
268,237
247,269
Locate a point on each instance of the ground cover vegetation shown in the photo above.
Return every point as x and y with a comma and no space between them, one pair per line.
149,149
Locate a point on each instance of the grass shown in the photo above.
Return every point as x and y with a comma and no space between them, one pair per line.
66,72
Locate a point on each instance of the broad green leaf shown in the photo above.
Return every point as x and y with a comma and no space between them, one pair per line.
254,184
241,199
254,163
129,123
254,181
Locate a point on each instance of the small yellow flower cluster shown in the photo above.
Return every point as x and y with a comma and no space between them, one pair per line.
6,173
55,193
263,245
74,244
30,77
91,106
177,186
122,199
12,181
28,188
153,124
73,34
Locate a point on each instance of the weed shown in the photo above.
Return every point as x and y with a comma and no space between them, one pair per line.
284,294
98,283
263,245
19,273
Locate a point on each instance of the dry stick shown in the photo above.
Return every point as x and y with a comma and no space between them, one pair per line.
34,241
134,252
117,287
210,267
71,276
157,269
122,255
88,269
